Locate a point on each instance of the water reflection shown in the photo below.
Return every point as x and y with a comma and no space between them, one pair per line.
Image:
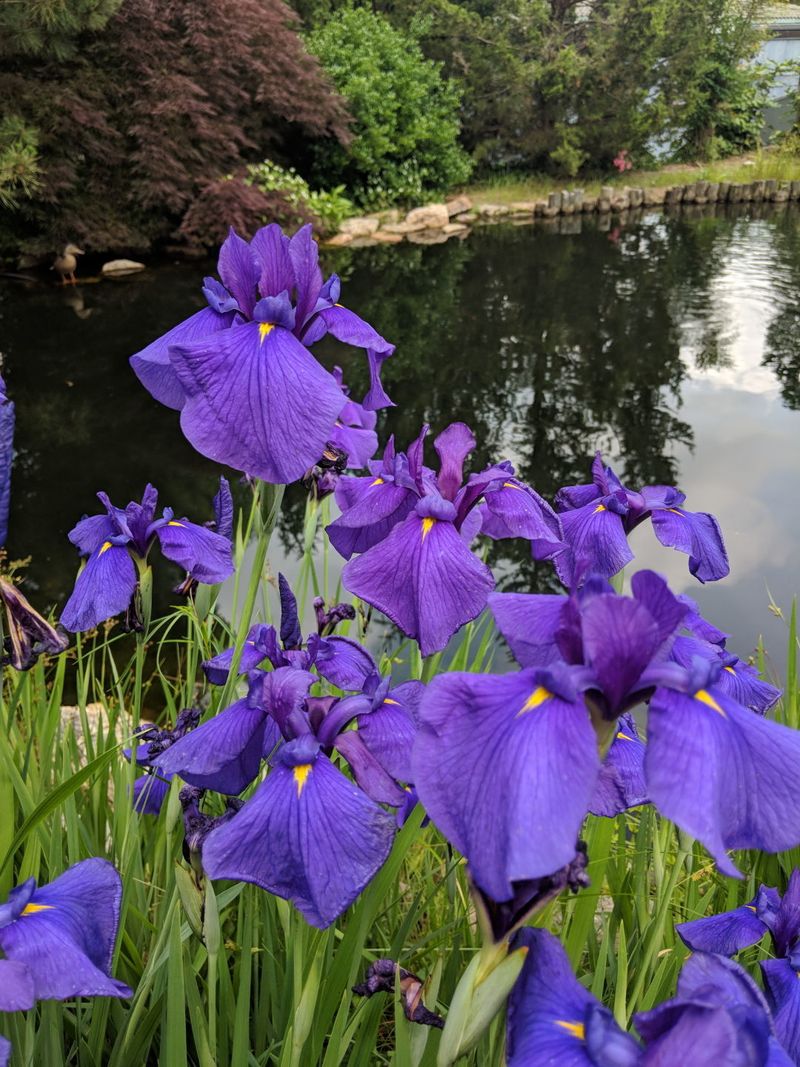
548,344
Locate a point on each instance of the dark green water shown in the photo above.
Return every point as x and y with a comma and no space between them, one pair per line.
673,344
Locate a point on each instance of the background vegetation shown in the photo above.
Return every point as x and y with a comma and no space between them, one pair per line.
127,123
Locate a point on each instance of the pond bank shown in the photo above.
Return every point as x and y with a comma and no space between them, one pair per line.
437,223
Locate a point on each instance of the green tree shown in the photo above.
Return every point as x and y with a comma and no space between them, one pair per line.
50,27
406,126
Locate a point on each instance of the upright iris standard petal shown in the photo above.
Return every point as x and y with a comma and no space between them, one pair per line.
307,834
304,256
103,589
260,639
553,1019
64,933
506,768
270,246
698,535
453,445
258,401
7,423
239,271
424,578
341,661
621,784
223,754
153,367
620,638
724,775
204,554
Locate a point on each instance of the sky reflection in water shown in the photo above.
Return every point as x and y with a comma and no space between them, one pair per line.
672,344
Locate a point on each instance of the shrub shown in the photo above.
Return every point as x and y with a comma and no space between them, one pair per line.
405,112
329,207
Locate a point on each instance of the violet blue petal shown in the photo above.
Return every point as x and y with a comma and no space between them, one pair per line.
275,311
281,693
783,996
380,507
725,934
571,497
596,535
223,754
697,534
218,297
506,769
254,652
7,422
553,1019
304,255
620,638
270,246
359,443
377,397
785,925
91,531
206,555
453,445
291,635
700,627
424,578
66,933
389,731
667,610
740,681
724,775
515,510
223,510
5,1051
621,784
307,834
239,271
368,771
257,401
351,329
17,989
341,661
149,793
102,590
152,366
528,622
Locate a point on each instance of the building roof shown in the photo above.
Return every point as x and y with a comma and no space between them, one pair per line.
781,16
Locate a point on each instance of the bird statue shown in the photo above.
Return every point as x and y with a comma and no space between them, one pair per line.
65,264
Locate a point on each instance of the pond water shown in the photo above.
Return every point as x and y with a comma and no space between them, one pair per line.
671,343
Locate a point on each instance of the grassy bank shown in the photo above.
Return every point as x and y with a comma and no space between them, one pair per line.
505,189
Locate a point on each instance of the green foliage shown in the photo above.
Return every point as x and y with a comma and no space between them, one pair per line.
406,126
19,161
329,207
51,27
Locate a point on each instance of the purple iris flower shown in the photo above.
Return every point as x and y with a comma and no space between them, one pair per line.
508,765
598,517
308,833
380,978
354,430
414,529
225,753
621,784
249,392
117,545
719,1016
553,1019
731,931
58,939
151,789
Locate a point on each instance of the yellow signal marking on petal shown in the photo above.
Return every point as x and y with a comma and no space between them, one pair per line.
171,523
389,700
730,670
750,907
31,909
427,526
600,507
537,697
706,698
265,329
301,773
378,481
623,737
675,511
105,547
576,1029
510,485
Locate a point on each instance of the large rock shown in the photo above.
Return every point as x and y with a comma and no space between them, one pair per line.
428,237
118,267
383,237
458,205
430,217
360,227
654,196
522,207
339,240
493,211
